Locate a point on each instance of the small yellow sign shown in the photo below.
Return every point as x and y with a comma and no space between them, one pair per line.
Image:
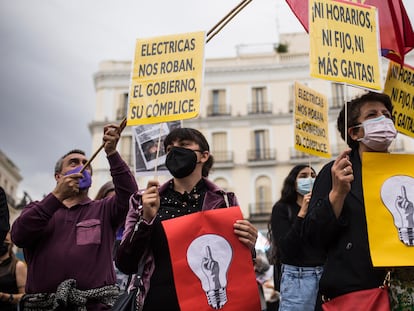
400,87
166,79
388,183
344,43
311,122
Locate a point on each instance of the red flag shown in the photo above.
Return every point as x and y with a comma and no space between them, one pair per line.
396,32
212,268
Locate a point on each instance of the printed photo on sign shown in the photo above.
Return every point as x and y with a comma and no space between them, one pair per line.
146,139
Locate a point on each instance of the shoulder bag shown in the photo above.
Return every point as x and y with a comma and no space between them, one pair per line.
128,300
133,298
375,299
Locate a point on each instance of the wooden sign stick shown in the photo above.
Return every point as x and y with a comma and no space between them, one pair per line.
120,129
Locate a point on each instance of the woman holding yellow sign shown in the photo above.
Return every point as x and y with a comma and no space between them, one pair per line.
336,218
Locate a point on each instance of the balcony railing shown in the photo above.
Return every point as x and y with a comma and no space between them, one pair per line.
223,156
259,108
218,110
261,155
336,102
260,209
299,155
336,149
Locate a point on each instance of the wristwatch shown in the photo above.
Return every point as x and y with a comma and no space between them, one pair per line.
11,298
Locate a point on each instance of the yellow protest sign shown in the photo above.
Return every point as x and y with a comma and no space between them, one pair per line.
166,78
311,122
344,43
400,87
388,182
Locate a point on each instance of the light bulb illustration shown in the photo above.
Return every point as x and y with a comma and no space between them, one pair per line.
397,194
209,257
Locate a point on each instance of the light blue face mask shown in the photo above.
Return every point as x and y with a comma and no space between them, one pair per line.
305,185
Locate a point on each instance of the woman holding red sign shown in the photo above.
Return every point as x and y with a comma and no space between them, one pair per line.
189,191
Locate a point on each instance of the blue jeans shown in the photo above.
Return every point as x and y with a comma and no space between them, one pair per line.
299,288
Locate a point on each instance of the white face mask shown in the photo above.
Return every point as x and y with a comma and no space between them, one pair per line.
379,133
304,185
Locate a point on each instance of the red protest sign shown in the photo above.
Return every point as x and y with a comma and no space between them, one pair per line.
212,268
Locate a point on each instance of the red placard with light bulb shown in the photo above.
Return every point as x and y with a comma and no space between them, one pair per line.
212,269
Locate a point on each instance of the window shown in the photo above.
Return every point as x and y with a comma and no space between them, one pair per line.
261,147
338,94
291,97
263,196
217,103
222,183
125,149
260,144
259,102
261,150
122,107
219,147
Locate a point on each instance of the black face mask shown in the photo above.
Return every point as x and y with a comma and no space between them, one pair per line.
181,162
4,248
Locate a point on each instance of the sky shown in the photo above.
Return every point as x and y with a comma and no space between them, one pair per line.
50,50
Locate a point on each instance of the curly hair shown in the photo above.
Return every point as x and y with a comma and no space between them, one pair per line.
353,109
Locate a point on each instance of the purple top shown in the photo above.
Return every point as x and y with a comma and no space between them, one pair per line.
61,243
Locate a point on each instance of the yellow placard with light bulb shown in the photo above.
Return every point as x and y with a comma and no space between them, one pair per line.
388,183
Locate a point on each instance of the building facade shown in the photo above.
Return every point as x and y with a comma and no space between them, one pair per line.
246,114
9,180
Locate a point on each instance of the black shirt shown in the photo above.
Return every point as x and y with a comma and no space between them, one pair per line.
162,294
287,234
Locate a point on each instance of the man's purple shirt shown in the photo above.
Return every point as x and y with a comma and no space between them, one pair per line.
61,243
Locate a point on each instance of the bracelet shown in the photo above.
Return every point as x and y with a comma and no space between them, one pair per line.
253,252
11,298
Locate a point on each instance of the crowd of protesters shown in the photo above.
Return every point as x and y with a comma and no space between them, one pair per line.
74,247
